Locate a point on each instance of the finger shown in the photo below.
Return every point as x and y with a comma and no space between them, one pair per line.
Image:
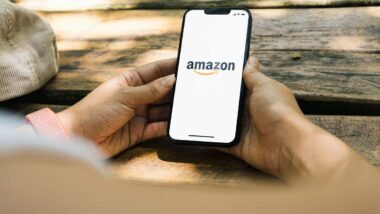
155,70
154,130
168,98
158,113
148,93
252,75
225,150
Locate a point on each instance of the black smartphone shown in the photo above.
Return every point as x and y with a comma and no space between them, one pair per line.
209,90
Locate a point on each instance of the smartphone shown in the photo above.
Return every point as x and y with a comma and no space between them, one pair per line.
209,90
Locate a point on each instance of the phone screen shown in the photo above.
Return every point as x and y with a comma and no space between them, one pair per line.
209,76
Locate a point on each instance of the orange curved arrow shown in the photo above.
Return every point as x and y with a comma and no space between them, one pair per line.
206,74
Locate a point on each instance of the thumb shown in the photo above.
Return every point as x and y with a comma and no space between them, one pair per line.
252,75
150,92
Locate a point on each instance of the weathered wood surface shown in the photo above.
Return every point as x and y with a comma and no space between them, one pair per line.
321,54
64,5
162,161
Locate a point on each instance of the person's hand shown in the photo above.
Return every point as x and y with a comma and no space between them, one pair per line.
117,114
278,139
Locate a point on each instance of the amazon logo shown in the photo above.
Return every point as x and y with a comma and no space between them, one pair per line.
209,68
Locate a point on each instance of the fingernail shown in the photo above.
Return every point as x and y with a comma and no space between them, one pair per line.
168,81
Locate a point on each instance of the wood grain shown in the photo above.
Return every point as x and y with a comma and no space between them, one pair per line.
321,54
340,29
330,54
161,161
62,5
361,133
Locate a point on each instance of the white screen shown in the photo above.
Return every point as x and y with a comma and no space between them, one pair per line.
207,92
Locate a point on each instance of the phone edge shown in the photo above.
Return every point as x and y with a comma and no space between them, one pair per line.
236,139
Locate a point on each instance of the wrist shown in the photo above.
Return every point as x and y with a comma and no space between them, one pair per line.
314,155
67,120
47,123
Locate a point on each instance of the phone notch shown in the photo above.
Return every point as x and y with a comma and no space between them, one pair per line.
217,11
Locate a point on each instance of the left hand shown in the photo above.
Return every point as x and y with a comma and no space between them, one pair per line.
116,115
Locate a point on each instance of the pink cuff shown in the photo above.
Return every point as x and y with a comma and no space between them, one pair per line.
46,123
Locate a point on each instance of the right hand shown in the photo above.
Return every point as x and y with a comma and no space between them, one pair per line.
278,139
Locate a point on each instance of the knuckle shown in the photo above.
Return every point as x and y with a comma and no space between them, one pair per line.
132,78
284,88
127,99
159,69
276,84
279,112
153,89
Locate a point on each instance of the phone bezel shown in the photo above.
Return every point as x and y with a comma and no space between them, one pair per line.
242,88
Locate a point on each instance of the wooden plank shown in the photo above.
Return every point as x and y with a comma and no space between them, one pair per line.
161,161
337,29
361,133
318,75
321,54
62,5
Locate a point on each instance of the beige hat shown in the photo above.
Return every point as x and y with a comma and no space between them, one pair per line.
28,53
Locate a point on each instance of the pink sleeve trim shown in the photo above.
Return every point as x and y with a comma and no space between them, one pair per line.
46,123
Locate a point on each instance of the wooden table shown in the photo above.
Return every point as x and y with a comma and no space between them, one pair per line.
327,52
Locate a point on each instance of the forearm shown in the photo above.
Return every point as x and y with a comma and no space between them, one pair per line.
318,156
